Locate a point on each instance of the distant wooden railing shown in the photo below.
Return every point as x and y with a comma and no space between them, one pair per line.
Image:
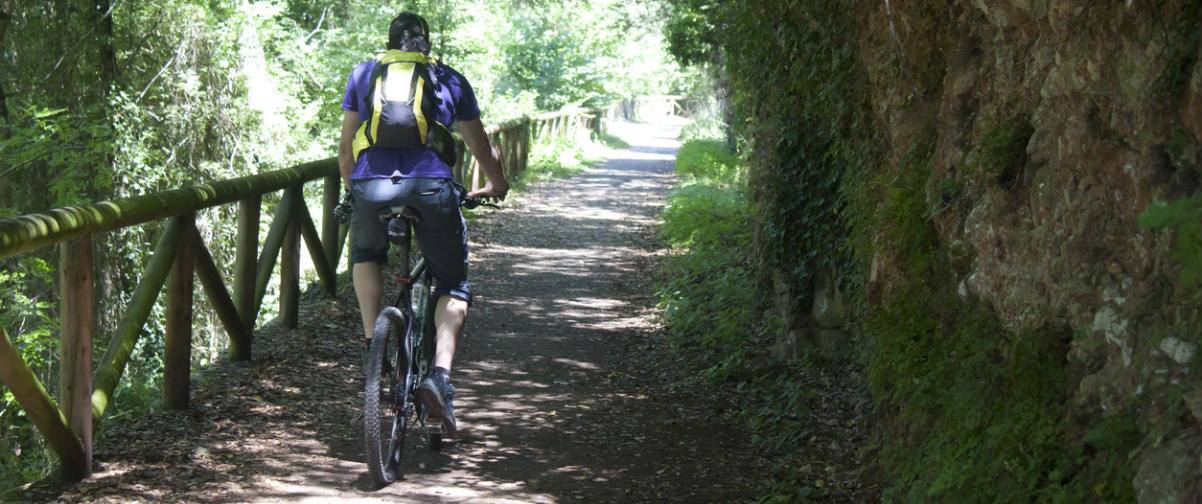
179,256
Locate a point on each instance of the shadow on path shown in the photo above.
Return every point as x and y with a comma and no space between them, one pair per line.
556,400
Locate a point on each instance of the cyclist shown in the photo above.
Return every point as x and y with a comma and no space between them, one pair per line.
418,176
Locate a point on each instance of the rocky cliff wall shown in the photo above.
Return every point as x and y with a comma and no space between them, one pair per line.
1054,125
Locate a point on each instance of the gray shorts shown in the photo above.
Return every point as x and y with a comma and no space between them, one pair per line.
441,233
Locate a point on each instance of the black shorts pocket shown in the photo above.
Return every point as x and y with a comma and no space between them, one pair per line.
449,200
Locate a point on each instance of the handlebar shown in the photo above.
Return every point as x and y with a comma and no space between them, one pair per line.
469,202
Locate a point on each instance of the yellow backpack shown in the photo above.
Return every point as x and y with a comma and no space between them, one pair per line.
401,107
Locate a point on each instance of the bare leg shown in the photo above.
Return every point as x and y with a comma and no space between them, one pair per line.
368,286
448,320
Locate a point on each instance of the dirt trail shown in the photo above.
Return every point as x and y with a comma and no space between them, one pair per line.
560,396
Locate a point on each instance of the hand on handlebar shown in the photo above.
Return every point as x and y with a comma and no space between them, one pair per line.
490,191
342,212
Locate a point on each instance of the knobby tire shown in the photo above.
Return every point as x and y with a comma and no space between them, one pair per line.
387,412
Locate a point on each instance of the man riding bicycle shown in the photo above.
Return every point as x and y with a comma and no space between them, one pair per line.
387,161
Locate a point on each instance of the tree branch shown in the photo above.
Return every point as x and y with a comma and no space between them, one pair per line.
161,70
319,21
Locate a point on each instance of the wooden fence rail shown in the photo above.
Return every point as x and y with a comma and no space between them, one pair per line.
180,256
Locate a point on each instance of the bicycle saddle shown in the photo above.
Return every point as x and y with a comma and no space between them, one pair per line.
403,211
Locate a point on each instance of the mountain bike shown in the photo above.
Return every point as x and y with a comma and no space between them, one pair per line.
402,347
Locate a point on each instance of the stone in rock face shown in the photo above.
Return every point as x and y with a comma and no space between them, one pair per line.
1169,471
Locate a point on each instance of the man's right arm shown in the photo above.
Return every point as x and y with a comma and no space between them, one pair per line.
346,158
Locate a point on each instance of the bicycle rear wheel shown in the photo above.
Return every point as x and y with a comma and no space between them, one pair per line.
388,409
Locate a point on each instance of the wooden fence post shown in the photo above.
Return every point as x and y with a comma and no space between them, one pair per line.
245,272
210,279
177,351
271,248
525,148
290,263
75,368
317,249
329,225
121,344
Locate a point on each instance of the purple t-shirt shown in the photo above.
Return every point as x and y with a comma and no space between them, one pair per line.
458,104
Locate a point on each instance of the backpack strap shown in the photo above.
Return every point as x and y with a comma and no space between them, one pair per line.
421,69
386,62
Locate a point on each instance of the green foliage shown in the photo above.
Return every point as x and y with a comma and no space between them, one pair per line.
69,150
805,124
612,141
704,128
1102,467
1002,151
778,426
548,56
693,30
32,323
1184,217
802,112
708,291
1182,53
707,160
935,361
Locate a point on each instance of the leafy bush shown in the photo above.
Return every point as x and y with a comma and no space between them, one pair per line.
709,293
706,128
707,160
701,217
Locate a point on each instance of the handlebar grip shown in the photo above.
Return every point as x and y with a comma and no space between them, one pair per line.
470,203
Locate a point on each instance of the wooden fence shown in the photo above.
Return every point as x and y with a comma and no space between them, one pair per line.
180,256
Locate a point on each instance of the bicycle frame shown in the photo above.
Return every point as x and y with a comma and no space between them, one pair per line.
391,389
400,231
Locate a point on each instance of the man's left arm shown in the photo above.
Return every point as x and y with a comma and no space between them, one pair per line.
487,157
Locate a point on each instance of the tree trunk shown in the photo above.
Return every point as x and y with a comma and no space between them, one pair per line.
3,97
108,56
5,189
